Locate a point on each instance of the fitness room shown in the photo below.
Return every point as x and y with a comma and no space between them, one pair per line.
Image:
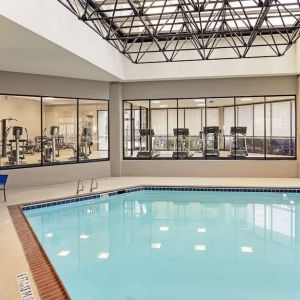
149,150
210,128
43,131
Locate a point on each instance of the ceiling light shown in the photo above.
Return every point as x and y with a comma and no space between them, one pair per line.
200,248
103,255
199,100
163,105
201,104
201,230
164,228
155,101
156,245
49,235
246,249
64,253
84,236
246,99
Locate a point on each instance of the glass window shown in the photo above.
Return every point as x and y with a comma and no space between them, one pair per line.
190,122
257,127
59,137
93,129
250,118
137,135
163,123
217,133
20,125
280,124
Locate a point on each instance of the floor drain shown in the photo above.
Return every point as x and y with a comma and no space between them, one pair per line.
24,287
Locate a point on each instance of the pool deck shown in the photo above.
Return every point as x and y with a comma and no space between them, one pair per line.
13,261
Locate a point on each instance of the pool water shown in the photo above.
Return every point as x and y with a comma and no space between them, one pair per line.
149,245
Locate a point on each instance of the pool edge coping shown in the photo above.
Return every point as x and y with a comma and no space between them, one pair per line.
47,281
151,187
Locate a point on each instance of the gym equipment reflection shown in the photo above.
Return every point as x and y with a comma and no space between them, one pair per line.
211,128
23,144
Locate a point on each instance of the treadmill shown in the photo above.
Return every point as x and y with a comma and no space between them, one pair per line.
146,139
182,143
211,137
238,142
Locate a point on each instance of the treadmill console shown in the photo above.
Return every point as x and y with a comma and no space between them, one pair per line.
181,131
238,130
211,129
146,132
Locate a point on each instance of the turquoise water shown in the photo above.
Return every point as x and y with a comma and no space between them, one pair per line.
151,245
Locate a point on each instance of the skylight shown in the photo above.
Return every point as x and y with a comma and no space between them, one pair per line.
186,30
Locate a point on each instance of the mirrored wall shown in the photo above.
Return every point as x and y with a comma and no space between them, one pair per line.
210,128
38,131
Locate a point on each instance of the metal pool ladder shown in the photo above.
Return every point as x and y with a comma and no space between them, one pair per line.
80,186
94,180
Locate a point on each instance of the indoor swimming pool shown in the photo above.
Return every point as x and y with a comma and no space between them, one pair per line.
166,244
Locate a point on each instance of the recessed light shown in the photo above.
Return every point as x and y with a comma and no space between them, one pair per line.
201,230
103,255
64,253
49,235
155,101
164,228
246,249
163,105
84,236
156,245
199,100
200,248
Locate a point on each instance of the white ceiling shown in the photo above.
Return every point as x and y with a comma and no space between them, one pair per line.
26,52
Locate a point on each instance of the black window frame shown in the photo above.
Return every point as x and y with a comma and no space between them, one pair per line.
235,106
77,160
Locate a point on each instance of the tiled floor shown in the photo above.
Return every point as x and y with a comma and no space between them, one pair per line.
13,260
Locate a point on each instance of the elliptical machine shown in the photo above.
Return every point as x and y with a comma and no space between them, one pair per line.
238,142
85,144
16,147
50,149
145,142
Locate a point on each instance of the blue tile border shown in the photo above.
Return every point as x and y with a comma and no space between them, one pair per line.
30,206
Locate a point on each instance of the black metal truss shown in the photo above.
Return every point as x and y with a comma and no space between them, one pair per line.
148,31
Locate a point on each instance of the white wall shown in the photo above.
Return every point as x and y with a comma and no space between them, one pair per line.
54,22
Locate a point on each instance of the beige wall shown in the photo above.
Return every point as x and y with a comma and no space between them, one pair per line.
212,88
39,85
31,177
62,87
217,168
27,113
